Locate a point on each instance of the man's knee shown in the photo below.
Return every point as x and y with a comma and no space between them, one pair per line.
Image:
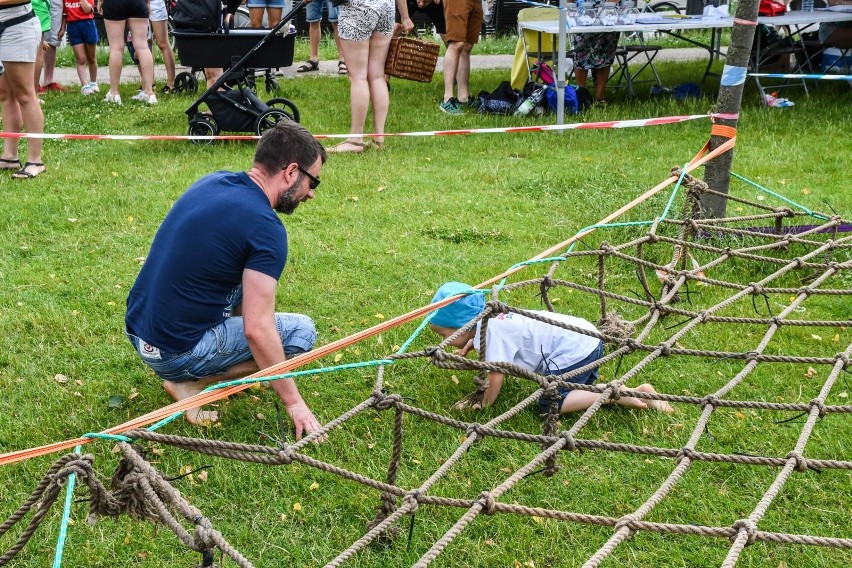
297,331
467,48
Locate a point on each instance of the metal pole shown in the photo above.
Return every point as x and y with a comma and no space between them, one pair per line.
561,61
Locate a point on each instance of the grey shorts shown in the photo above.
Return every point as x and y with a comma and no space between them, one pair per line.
358,20
56,9
20,42
158,11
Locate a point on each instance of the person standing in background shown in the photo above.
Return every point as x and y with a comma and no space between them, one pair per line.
21,109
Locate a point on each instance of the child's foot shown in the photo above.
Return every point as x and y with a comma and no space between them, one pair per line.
180,391
660,405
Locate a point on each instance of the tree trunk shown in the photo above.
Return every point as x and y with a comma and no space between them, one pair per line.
717,172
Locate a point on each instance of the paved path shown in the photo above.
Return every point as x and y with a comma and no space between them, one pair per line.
68,75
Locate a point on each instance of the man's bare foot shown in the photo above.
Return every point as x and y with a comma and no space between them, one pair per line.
660,405
195,415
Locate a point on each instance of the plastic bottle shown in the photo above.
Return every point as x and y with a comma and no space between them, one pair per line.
530,102
585,14
807,5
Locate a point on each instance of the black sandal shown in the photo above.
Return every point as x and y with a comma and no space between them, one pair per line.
308,66
24,174
341,68
10,164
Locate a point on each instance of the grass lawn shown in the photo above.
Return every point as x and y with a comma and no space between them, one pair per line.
386,228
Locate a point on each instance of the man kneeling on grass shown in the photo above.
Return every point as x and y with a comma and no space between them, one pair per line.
202,310
536,346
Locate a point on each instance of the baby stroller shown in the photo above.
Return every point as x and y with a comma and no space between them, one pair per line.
233,106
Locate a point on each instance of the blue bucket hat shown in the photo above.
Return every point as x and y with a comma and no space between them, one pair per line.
461,311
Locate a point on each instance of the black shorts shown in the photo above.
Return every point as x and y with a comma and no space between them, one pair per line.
434,12
123,9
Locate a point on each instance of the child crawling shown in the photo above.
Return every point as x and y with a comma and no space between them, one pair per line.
536,346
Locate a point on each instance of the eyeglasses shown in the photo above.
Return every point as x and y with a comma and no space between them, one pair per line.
314,181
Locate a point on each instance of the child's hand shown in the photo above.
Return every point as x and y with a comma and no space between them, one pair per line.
468,347
45,46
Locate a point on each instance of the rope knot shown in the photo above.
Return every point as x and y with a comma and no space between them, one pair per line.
626,522
606,247
616,390
204,536
628,342
285,454
801,462
751,356
708,400
388,401
497,307
844,358
702,316
749,527
776,321
474,429
411,500
486,499
818,404
807,290
570,442
799,262
547,281
756,289
665,349
685,452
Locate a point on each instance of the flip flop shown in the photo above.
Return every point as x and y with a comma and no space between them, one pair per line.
341,68
10,164
308,66
24,174
342,147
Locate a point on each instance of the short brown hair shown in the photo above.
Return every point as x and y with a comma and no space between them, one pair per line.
287,143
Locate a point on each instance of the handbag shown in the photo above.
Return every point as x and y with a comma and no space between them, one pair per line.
412,58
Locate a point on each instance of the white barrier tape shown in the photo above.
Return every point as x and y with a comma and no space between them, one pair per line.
815,77
500,130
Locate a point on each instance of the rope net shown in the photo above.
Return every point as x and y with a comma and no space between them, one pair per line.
741,300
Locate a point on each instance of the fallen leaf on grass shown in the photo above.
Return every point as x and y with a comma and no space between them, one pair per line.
843,394
314,486
740,415
202,475
338,357
810,373
817,337
60,378
297,506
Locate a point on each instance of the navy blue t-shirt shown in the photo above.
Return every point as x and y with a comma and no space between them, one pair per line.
192,277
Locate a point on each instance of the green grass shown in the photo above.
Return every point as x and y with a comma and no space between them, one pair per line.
386,228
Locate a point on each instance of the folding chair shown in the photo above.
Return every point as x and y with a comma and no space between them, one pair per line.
622,76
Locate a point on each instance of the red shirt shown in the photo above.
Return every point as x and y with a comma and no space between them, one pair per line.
74,13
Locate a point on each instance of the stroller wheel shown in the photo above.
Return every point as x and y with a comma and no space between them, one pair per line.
186,83
269,119
286,105
202,126
271,85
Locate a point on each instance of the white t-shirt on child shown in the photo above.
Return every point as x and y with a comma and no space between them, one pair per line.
535,345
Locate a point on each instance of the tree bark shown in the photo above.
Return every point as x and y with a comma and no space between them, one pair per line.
717,172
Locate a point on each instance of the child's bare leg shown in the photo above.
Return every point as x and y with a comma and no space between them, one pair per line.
660,405
578,400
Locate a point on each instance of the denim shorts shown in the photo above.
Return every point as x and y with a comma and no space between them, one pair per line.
587,378
82,31
266,4
313,11
222,347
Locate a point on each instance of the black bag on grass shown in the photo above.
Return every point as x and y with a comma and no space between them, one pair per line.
502,100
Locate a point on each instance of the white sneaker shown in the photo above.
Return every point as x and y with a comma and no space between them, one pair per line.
113,98
88,89
95,87
143,98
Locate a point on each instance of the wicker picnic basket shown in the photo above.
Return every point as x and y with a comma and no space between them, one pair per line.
412,58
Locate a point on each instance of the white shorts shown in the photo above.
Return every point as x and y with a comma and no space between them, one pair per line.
20,42
158,11
358,20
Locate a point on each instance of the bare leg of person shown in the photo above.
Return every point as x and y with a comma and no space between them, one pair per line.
463,74
340,56
578,400
161,35
115,36
314,33
379,96
139,30
49,65
274,16
357,55
82,63
92,62
582,76
601,78
25,111
451,66
183,390
256,17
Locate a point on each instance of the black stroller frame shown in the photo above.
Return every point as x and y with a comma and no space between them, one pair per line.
233,106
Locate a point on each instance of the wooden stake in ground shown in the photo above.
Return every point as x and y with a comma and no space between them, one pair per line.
717,173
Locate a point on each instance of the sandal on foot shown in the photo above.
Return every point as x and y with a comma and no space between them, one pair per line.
14,164
341,68
24,174
308,66
347,146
